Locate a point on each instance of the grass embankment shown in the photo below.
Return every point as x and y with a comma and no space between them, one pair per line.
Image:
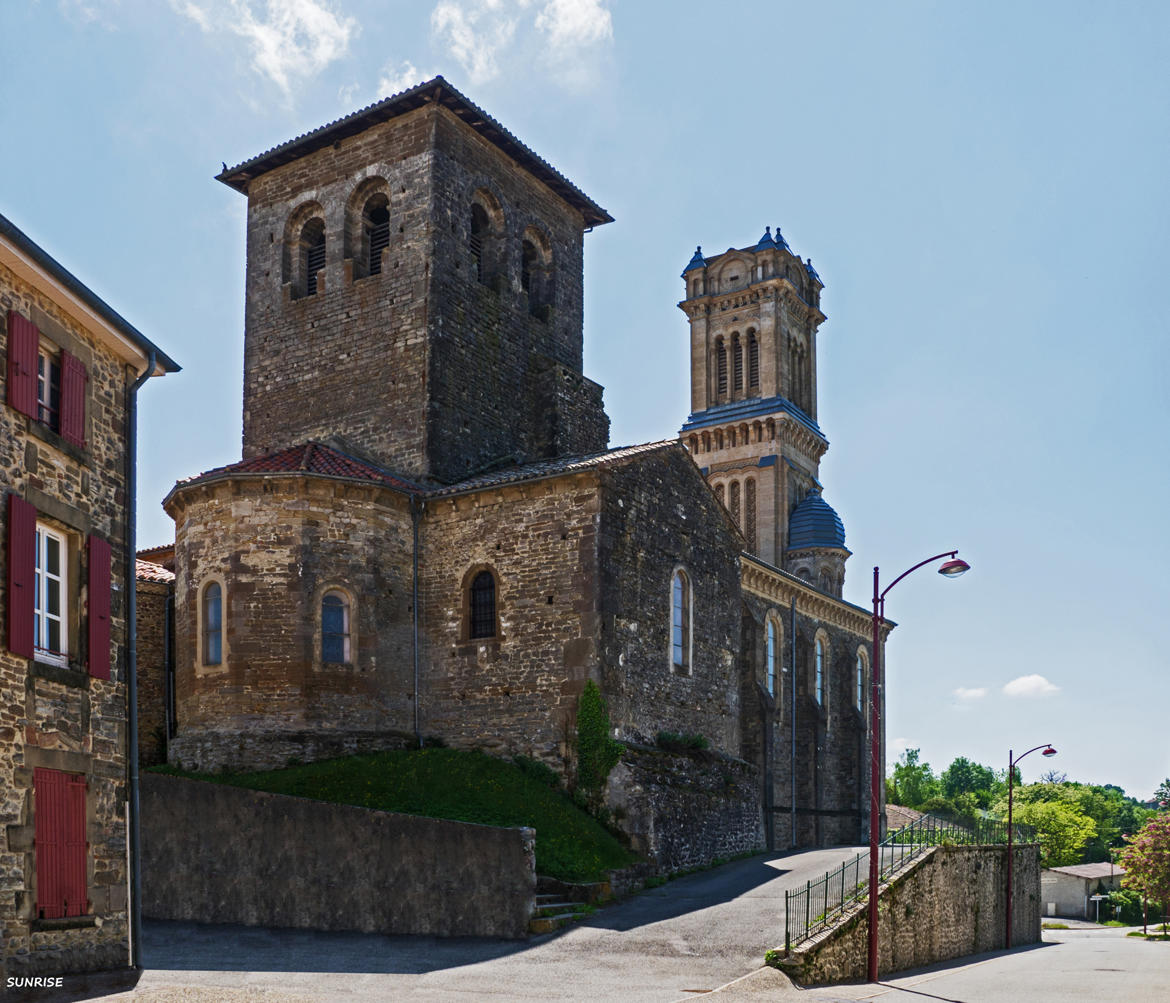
464,786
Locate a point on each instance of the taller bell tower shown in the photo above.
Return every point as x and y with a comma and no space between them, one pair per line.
754,314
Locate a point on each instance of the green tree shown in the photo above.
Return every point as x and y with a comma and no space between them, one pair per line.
965,777
913,782
1062,829
1162,794
597,752
1146,859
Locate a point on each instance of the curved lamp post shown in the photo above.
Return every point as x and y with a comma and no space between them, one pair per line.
1048,751
951,568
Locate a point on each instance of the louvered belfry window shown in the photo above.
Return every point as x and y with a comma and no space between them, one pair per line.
736,363
313,249
479,231
483,605
60,843
377,232
720,369
753,362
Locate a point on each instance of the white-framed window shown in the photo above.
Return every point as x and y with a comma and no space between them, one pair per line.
335,633
680,621
50,597
772,655
49,387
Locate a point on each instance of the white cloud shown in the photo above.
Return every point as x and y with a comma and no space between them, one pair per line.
399,78
565,35
476,32
1030,686
900,745
288,39
971,693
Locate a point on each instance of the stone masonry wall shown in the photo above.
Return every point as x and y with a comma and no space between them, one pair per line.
276,543
152,666
350,361
659,515
516,692
60,717
686,810
832,747
950,904
488,354
217,854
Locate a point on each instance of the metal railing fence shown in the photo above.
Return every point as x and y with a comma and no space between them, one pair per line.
813,908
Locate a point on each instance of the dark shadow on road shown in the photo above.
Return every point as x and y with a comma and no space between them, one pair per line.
178,946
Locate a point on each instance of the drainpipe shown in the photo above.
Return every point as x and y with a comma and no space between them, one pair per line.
416,511
132,659
792,774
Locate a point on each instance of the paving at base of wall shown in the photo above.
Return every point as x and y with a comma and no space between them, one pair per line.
218,854
950,903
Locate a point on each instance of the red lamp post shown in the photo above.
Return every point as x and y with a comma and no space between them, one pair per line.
1048,751
951,568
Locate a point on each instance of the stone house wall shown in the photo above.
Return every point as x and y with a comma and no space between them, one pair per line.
151,646
949,904
60,717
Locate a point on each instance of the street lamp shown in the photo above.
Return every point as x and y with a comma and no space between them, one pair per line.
953,567
1049,751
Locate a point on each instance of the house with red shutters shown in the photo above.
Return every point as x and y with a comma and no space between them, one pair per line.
72,368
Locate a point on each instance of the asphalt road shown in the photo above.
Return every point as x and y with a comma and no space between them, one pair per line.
674,942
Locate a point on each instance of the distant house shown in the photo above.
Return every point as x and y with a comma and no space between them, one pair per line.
1066,891
898,817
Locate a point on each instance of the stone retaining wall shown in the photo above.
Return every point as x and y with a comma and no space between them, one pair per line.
218,854
950,903
686,810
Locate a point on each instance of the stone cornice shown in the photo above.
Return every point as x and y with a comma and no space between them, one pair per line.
779,587
777,288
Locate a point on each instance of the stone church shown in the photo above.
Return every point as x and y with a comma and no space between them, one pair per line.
428,538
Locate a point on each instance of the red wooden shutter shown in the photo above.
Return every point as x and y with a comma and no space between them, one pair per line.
73,380
99,608
23,343
61,847
22,556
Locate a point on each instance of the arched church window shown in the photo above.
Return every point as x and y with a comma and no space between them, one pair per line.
720,369
819,670
772,655
375,232
211,610
335,620
861,673
481,617
733,504
719,493
736,364
528,260
749,513
753,362
680,621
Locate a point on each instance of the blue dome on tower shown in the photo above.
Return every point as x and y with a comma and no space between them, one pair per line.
815,524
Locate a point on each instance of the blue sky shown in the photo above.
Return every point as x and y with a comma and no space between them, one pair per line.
982,188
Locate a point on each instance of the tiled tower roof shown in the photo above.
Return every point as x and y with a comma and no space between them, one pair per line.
815,524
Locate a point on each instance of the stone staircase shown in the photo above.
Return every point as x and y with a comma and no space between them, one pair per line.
559,903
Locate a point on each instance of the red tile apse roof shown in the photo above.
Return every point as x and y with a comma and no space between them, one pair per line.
311,458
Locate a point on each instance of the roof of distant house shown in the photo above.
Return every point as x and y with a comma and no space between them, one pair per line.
91,301
435,91
148,571
898,816
1103,869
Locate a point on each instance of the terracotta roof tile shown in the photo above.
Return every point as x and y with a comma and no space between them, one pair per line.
147,571
311,458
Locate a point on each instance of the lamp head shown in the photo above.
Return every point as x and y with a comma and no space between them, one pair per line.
953,568
1050,751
